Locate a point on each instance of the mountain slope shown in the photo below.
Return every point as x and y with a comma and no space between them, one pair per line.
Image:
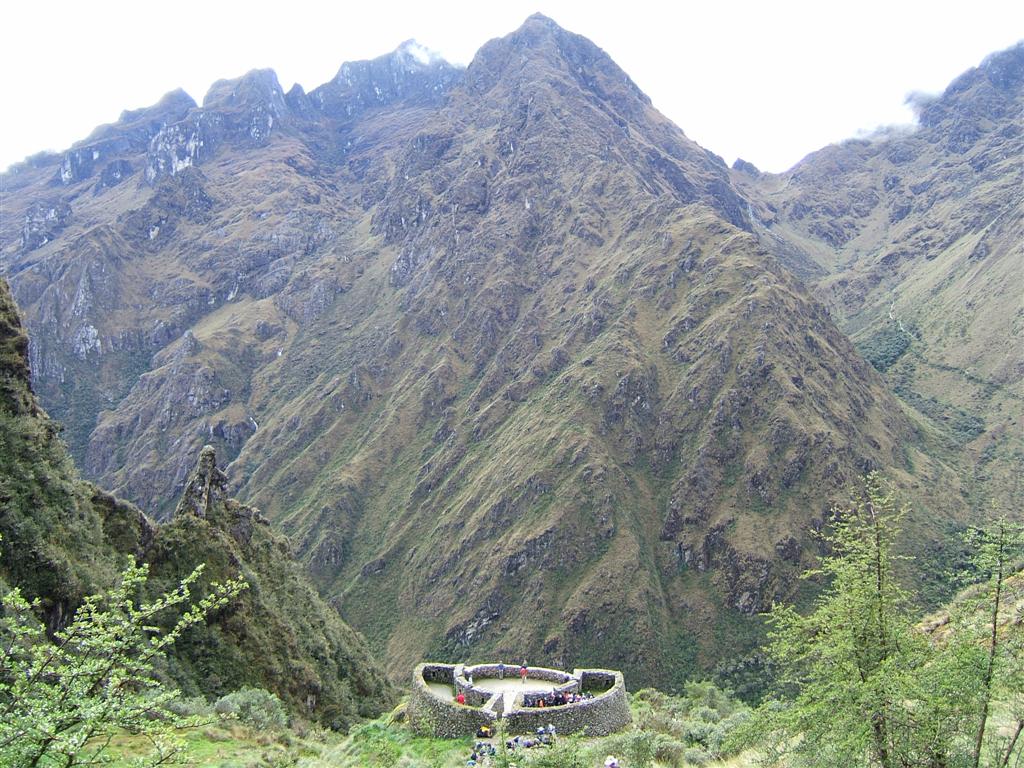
914,239
499,348
64,538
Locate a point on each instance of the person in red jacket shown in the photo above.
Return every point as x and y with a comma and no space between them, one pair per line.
523,672
461,698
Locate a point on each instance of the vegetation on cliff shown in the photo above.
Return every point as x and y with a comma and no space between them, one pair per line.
64,698
64,539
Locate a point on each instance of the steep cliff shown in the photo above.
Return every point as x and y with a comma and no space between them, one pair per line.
915,240
64,538
500,348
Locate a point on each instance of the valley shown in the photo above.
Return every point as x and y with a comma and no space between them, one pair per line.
516,365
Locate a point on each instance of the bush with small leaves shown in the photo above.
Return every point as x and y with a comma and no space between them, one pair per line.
669,751
565,754
63,698
254,706
696,756
190,706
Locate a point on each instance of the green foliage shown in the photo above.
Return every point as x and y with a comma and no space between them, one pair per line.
565,753
987,631
254,706
62,701
383,743
962,426
279,636
190,706
860,682
704,718
885,347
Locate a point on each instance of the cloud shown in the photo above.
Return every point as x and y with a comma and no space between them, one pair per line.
425,56
917,101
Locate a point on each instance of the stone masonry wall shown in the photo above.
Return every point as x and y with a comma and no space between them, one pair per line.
606,713
432,716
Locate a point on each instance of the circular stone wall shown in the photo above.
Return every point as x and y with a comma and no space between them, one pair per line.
606,712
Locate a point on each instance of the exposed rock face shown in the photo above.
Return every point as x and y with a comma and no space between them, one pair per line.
63,538
206,486
43,222
500,347
410,75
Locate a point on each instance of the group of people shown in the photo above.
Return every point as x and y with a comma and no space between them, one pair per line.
554,698
544,737
481,751
523,670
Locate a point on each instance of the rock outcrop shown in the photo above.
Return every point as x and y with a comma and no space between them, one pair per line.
63,538
206,486
509,356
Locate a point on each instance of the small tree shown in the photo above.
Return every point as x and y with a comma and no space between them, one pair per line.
985,622
838,662
863,682
63,700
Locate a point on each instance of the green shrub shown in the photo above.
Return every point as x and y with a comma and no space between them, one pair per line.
640,748
565,753
669,751
190,706
697,732
884,348
706,713
696,756
254,706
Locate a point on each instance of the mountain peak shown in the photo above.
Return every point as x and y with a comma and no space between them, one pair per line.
257,85
543,21
412,53
541,42
176,101
990,91
412,73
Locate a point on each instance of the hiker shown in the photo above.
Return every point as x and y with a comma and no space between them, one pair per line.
461,698
523,671
501,671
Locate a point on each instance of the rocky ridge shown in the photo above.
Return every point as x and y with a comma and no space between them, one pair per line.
914,239
502,349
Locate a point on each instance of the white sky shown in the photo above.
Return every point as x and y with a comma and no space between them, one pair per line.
767,80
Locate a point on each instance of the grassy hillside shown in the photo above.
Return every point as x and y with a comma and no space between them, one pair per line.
499,348
913,238
63,539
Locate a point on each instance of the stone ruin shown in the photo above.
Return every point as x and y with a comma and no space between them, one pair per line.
433,715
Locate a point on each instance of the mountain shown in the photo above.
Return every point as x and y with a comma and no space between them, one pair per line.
913,238
64,538
509,357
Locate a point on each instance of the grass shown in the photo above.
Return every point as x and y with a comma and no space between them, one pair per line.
232,745
666,730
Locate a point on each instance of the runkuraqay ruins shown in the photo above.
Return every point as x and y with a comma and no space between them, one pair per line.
455,700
